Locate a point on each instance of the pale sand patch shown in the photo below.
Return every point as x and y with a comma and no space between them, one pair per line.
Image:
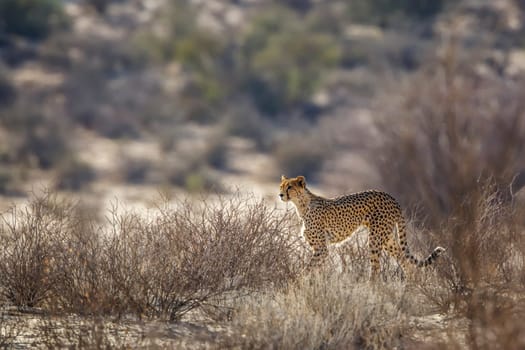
32,75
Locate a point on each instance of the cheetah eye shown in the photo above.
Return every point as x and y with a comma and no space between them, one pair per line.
289,187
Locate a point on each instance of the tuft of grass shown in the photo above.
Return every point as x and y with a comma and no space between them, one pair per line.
324,311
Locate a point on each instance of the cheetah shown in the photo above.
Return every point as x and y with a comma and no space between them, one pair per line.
327,221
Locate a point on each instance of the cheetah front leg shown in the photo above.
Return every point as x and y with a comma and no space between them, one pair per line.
320,254
317,240
374,263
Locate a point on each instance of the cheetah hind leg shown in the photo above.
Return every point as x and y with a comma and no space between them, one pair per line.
374,254
394,250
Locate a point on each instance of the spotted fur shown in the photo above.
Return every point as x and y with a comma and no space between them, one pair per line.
327,221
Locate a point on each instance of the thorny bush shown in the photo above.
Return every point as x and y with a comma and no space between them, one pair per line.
186,254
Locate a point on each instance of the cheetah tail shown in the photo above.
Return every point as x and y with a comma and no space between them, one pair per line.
401,236
431,258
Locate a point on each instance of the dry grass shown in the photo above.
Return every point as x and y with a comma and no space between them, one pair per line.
324,311
232,267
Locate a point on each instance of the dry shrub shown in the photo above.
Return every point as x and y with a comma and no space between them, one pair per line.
223,246
460,144
186,255
29,237
81,282
481,279
453,147
451,132
324,311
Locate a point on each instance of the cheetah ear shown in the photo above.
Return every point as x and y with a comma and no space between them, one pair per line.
283,178
301,181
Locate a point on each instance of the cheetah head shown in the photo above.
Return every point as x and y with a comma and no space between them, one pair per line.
291,187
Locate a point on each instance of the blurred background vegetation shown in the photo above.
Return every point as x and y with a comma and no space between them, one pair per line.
204,95
116,101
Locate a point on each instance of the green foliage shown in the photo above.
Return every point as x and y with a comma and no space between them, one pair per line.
198,182
193,171
286,61
282,55
194,177
32,19
202,55
278,61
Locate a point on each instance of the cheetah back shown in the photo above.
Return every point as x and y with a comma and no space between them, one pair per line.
339,218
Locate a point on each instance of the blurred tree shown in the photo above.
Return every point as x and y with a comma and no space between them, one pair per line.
278,60
94,92
32,19
386,12
285,60
34,138
99,5
299,5
449,135
7,90
202,55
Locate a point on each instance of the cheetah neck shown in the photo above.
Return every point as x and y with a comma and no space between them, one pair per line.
302,202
